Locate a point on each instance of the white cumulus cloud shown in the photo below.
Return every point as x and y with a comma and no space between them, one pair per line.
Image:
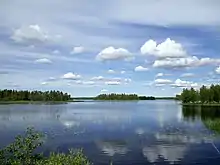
187,62
182,83
111,71
127,80
167,49
141,69
187,75
77,50
104,90
44,83
123,72
111,53
97,78
71,76
43,61
217,70
112,83
159,75
162,81
31,32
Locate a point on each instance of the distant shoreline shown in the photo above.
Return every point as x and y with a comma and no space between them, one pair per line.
38,102
140,98
78,100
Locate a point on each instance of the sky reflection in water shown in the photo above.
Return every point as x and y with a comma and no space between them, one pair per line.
142,132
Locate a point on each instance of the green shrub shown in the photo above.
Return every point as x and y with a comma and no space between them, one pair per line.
22,152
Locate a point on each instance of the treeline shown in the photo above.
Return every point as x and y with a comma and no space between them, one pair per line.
165,98
82,98
114,96
25,95
147,98
204,95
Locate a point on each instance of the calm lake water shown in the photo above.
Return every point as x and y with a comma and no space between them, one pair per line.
144,132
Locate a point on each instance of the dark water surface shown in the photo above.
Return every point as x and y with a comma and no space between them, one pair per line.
144,132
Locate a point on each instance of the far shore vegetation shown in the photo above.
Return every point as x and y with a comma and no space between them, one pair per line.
139,98
25,95
8,96
207,96
114,96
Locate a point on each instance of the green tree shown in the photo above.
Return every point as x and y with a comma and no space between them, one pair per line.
14,95
114,96
205,95
185,96
23,152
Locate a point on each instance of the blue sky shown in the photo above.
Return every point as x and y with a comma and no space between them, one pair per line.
148,47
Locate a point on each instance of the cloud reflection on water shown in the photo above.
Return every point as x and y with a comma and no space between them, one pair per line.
155,129
112,148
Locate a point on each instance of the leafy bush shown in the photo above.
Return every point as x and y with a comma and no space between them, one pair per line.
22,152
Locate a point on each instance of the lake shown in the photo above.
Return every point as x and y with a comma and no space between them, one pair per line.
143,132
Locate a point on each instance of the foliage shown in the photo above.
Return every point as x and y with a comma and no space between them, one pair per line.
114,96
14,95
178,97
203,95
23,152
72,158
146,98
165,98
82,98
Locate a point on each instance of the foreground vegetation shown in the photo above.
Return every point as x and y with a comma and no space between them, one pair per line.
15,95
23,152
202,96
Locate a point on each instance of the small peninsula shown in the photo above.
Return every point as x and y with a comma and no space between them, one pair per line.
205,96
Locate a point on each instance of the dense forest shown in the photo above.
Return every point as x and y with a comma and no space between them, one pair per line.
95,98
114,96
146,98
15,95
166,98
205,95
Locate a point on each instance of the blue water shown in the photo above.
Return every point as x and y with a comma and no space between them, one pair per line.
144,132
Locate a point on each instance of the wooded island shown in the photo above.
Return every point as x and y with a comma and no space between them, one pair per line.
114,96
